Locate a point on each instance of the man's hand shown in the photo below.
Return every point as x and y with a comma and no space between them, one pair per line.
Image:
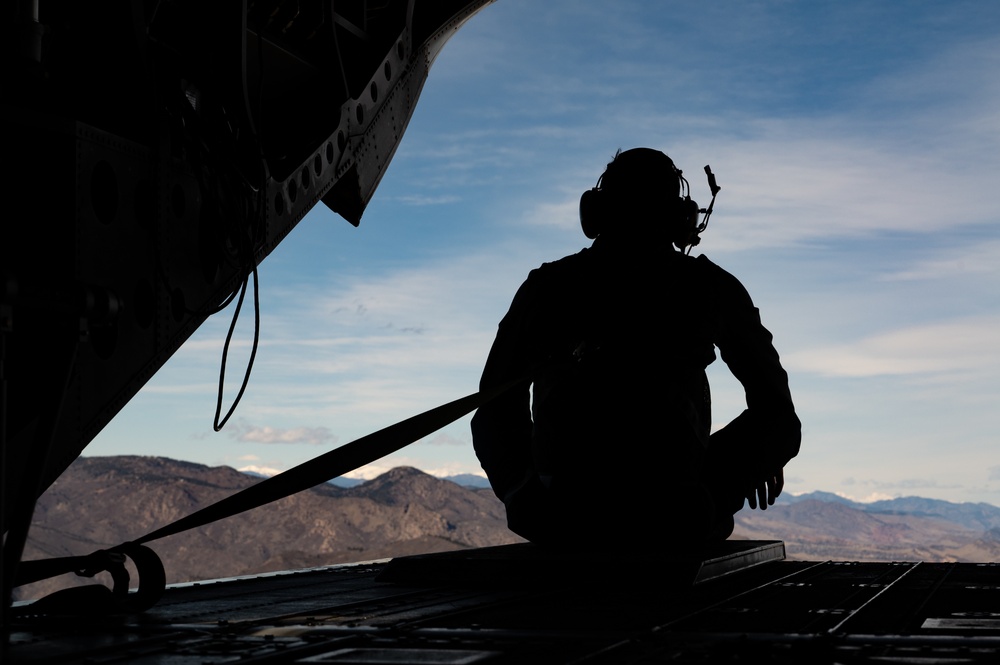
766,491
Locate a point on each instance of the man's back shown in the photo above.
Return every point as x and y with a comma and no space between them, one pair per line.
614,341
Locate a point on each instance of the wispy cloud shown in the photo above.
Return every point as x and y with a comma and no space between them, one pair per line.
953,347
260,470
247,433
451,468
976,260
415,200
444,439
869,490
868,498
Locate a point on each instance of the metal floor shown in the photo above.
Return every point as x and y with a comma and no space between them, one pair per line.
519,604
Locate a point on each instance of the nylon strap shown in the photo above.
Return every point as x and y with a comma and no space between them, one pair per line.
335,463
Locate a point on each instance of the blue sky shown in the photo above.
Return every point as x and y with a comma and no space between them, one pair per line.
857,145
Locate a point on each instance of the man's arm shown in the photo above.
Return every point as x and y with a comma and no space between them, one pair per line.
759,442
501,429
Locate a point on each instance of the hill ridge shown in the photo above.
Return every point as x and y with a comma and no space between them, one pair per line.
103,501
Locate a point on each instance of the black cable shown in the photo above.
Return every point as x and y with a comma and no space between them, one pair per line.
225,349
247,250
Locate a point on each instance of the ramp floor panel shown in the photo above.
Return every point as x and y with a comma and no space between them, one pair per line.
742,604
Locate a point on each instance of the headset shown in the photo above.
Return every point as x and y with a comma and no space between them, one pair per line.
600,205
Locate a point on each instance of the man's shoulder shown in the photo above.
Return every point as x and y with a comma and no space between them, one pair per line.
705,263
709,267
724,284
570,264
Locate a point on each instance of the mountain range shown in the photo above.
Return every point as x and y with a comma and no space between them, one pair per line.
470,480
825,526
976,516
100,502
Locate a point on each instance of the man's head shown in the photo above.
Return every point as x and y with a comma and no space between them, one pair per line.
639,193
640,174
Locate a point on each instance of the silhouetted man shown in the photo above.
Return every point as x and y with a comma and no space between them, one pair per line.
607,438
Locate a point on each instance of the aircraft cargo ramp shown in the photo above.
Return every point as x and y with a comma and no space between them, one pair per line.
519,604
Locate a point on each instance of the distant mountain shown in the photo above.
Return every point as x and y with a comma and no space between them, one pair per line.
103,501
341,481
469,480
976,516
828,497
463,479
970,515
825,526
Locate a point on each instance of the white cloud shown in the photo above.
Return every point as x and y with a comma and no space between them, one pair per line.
370,471
416,200
314,436
439,469
261,470
560,214
869,498
455,469
974,260
444,439
967,346
181,389
891,489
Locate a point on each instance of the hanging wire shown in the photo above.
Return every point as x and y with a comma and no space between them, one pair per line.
247,249
218,425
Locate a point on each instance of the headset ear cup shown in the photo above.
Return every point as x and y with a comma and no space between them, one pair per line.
686,223
592,212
